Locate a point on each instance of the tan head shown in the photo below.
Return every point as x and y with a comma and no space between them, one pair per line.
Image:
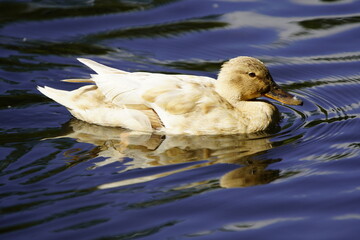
247,78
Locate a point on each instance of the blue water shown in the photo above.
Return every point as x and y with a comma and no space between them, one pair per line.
64,179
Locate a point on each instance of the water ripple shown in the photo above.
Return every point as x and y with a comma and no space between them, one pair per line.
61,178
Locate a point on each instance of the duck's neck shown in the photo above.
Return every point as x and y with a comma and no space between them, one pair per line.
229,92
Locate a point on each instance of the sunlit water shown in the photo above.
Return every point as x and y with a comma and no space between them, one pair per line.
65,179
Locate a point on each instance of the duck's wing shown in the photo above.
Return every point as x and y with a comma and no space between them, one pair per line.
171,97
142,88
152,100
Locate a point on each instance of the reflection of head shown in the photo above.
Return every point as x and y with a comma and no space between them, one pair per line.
248,176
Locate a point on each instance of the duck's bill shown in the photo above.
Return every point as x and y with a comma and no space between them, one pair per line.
282,96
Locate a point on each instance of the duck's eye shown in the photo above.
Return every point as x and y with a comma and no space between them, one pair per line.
252,74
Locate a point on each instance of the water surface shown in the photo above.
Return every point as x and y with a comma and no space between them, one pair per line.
62,178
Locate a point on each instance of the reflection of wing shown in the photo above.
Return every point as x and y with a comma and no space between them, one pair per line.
149,150
220,148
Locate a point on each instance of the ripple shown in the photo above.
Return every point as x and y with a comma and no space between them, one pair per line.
74,180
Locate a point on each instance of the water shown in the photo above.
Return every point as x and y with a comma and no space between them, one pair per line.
62,178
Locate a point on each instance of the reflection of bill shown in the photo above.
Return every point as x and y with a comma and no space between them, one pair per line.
150,150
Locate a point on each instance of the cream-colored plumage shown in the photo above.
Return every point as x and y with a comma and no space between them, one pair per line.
177,104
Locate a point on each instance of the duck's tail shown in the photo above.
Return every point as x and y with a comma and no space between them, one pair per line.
60,96
88,104
100,68
97,67
82,105
78,80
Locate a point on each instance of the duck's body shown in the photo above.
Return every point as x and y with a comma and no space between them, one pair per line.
175,104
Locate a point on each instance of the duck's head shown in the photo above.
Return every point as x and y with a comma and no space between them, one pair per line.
247,78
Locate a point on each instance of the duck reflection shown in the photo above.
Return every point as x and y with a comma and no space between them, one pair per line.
151,150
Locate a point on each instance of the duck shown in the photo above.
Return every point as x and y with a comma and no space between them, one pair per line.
177,103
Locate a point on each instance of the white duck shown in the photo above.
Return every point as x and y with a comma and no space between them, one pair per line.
177,104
